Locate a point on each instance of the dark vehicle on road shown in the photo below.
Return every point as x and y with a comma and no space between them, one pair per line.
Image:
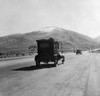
48,51
78,51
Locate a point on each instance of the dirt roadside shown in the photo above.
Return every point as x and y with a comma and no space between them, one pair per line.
93,86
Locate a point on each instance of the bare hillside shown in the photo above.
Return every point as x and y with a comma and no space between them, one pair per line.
97,39
21,42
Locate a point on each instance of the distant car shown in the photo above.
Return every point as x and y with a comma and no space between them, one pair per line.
48,51
78,51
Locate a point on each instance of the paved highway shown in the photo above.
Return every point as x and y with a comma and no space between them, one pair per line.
78,76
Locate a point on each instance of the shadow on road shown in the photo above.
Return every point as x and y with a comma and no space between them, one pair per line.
29,68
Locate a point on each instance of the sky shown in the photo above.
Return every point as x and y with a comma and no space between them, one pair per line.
23,16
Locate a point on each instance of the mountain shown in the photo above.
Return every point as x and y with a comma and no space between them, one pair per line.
97,39
70,39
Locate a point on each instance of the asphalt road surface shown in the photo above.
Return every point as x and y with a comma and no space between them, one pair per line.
78,76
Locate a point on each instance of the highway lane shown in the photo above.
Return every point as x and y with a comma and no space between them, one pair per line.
78,76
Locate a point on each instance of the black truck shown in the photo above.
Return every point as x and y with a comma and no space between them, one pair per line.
48,51
78,51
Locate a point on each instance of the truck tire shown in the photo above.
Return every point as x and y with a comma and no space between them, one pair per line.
56,62
63,59
37,63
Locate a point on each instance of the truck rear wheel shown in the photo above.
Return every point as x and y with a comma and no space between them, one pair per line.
56,62
37,63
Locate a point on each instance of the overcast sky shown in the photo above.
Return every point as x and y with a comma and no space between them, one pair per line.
20,16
